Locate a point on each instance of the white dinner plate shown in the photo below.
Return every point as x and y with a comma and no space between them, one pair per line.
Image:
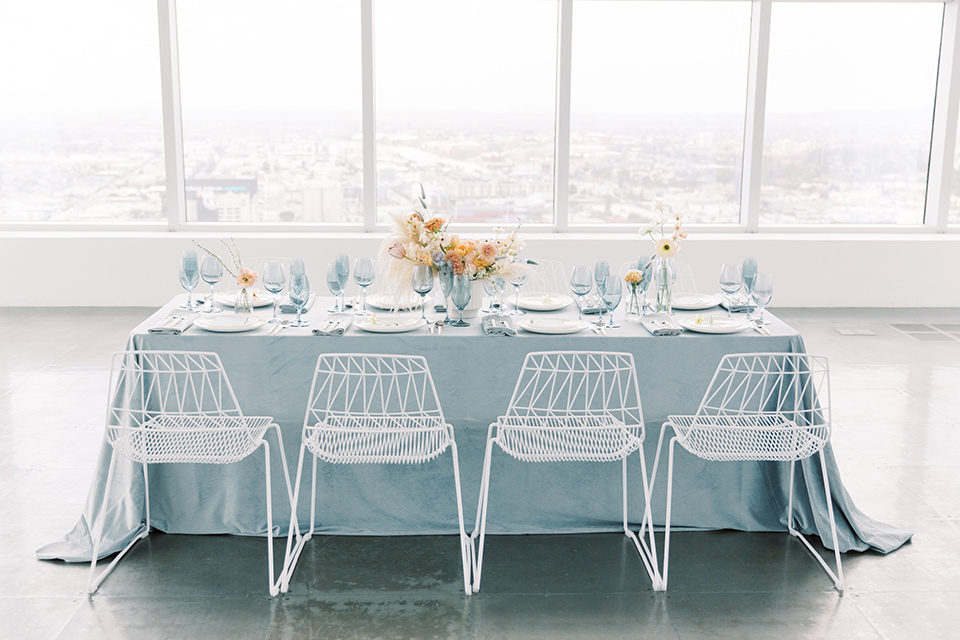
696,301
552,325
386,323
543,301
260,298
229,323
389,301
715,325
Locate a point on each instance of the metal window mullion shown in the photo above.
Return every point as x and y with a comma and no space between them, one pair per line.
369,115
943,138
561,160
755,115
172,115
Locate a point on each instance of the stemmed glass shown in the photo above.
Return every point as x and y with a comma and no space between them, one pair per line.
580,283
749,274
343,273
600,271
730,282
611,296
762,294
490,288
363,275
645,266
211,270
189,278
336,288
422,282
462,289
445,276
299,295
273,281
518,281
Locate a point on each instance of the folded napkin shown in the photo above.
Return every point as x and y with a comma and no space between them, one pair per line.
661,327
174,324
287,307
335,325
439,303
737,305
498,326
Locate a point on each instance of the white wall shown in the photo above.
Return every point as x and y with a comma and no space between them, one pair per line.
128,269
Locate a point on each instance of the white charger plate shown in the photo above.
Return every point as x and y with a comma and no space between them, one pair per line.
230,323
696,301
389,301
553,326
259,299
715,325
543,301
386,323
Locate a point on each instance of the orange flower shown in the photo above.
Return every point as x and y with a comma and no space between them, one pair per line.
488,251
633,276
246,278
434,224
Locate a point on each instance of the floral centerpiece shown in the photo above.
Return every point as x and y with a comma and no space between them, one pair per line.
417,238
244,277
665,232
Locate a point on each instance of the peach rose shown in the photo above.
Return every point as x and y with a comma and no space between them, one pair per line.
246,278
633,276
434,224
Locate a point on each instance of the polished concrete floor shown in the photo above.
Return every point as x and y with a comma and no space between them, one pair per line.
896,398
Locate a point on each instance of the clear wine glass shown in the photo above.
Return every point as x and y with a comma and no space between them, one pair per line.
748,272
611,296
580,283
517,281
211,271
644,266
422,283
189,277
600,271
273,281
489,288
762,294
299,295
364,275
297,268
445,276
343,273
335,286
730,282
460,295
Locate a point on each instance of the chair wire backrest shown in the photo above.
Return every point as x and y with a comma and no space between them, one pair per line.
358,385
572,383
161,404
548,276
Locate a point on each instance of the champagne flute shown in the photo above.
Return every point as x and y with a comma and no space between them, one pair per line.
730,282
299,295
749,274
422,282
611,296
445,276
273,281
644,266
335,286
189,277
343,273
364,275
600,271
518,281
211,270
460,294
580,283
762,294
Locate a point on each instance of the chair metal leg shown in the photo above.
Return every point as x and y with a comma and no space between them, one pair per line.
295,540
648,555
653,475
482,514
94,583
466,545
273,587
666,536
838,576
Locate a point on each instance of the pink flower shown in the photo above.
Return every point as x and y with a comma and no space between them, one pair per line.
246,278
397,250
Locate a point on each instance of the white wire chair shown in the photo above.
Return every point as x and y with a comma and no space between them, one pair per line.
572,406
547,276
764,407
379,409
178,407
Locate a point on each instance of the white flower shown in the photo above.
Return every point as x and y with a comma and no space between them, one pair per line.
667,247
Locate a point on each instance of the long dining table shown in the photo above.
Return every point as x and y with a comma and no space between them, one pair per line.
475,375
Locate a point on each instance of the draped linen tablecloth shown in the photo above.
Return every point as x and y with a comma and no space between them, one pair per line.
475,376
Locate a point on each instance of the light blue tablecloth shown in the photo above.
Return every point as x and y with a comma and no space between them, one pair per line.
474,376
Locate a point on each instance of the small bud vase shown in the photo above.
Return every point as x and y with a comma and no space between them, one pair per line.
665,273
634,304
244,302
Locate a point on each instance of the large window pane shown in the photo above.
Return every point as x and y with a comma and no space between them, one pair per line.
657,109
81,133
849,111
271,110
465,105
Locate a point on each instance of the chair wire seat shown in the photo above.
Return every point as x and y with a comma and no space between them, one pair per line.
377,439
772,437
190,438
584,438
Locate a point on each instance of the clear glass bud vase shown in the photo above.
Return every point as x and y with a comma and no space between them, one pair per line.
664,271
634,304
244,302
